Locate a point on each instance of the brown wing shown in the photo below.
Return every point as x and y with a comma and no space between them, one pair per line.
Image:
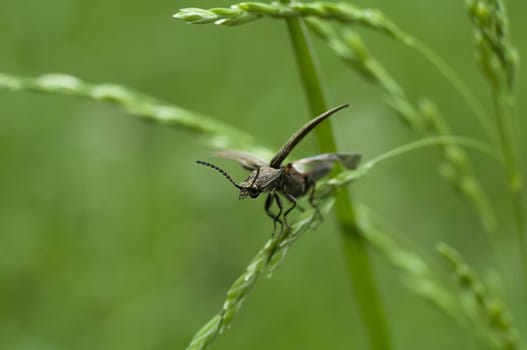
319,166
248,161
299,135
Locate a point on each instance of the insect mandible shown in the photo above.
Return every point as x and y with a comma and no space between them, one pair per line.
293,180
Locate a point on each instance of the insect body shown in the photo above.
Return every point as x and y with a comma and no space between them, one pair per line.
293,180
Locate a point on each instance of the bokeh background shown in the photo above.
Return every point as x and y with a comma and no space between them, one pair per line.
112,238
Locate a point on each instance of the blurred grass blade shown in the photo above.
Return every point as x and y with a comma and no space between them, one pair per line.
212,132
347,176
475,308
486,310
415,271
498,60
497,57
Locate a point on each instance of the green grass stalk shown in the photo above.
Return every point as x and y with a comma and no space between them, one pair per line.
498,60
355,247
209,131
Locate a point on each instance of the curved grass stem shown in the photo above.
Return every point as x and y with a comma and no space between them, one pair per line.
355,247
211,132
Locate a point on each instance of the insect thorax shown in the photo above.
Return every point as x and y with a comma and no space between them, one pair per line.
267,180
294,182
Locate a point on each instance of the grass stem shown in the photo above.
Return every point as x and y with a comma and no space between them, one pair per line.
355,247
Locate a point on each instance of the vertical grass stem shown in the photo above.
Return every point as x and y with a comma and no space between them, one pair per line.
355,247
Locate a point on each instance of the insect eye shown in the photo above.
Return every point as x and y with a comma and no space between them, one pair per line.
254,192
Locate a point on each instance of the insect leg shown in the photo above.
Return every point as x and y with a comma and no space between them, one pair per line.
280,207
276,217
312,199
293,201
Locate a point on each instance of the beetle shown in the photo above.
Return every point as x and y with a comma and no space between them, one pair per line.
293,180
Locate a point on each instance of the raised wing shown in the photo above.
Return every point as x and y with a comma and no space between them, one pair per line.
299,135
319,166
248,161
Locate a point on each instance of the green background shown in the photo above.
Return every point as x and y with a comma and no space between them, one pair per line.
111,237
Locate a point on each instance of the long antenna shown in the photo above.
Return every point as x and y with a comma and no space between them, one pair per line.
299,135
221,171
